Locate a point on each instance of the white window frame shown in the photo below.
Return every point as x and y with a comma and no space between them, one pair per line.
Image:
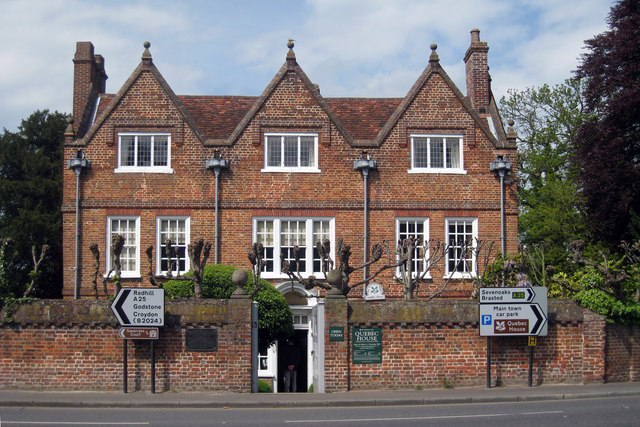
474,236
135,273
144,169
444,169
424,237
160,243
281,168
309,240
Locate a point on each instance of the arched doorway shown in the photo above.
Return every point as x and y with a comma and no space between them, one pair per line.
308,323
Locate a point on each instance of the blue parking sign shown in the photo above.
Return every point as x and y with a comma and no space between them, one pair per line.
486,319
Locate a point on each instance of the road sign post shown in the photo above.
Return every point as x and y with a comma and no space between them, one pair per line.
140,311
513,312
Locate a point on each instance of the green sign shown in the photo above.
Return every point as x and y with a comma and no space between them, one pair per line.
336,333
367,345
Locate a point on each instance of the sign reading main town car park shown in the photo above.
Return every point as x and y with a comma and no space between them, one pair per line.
139,307
513,311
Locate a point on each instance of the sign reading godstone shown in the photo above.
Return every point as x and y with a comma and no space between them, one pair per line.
367,345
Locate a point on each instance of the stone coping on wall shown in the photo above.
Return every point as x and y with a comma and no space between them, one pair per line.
216,312
98,313
444,312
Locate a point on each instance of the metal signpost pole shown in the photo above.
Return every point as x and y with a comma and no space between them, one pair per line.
488,362
530,366
254,347
124,366
153,367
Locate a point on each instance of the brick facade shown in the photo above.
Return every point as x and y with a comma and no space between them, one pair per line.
235,128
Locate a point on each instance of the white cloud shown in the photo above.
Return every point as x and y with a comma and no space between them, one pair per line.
349,47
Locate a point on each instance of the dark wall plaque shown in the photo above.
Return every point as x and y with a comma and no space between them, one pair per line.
202,340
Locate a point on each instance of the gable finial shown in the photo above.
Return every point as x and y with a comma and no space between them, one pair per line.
290,54
434,55
146,55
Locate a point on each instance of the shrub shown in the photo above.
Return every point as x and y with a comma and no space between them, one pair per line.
264,387
179,289
275,321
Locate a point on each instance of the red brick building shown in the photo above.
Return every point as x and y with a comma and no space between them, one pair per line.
290,178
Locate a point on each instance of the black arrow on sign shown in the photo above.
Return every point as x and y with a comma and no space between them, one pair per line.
118,306
531,294
539,322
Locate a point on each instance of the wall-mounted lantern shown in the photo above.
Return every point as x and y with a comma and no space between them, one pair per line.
502,169
364,164
78,164
216,163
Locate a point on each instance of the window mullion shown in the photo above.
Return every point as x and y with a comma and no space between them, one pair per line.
135,150
152,160
310,243
277,263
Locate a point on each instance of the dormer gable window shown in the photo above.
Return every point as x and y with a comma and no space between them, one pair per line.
436,154
291,152
144,152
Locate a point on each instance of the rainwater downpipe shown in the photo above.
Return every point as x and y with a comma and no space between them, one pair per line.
216,163
364,164
78,163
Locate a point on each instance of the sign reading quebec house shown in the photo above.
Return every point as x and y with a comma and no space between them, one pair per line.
139,307
513,311
367,345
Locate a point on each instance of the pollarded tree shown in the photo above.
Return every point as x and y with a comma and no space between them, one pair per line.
608,144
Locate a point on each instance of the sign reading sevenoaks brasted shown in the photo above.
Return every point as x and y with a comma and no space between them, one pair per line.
139,307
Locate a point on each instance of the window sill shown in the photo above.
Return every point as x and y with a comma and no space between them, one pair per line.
442,171
124,275
291,170
465,276
128,169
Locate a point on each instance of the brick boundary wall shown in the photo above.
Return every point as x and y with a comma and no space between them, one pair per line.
623,353
74,345
446,349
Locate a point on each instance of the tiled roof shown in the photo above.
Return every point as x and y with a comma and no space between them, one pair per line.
363,118
218,116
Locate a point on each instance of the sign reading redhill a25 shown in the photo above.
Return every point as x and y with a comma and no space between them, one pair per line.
139,307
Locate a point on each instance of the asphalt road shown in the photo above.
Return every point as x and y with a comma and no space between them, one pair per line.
610,412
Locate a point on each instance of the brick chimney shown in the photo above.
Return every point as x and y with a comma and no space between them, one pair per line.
89,81
477,71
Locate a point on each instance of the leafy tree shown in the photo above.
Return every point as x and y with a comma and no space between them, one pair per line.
30,200
608,143
547,121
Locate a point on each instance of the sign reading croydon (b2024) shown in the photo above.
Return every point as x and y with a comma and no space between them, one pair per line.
139,307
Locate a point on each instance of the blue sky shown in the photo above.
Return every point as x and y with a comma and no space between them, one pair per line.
359,48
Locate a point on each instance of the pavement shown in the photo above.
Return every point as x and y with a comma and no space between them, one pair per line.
168,399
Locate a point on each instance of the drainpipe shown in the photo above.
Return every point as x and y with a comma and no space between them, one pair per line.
78,163
364,164
216,163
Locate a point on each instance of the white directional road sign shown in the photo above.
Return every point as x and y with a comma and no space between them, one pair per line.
139,307
503,295
513,311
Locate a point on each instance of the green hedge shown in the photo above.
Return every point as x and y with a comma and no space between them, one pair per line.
275,321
